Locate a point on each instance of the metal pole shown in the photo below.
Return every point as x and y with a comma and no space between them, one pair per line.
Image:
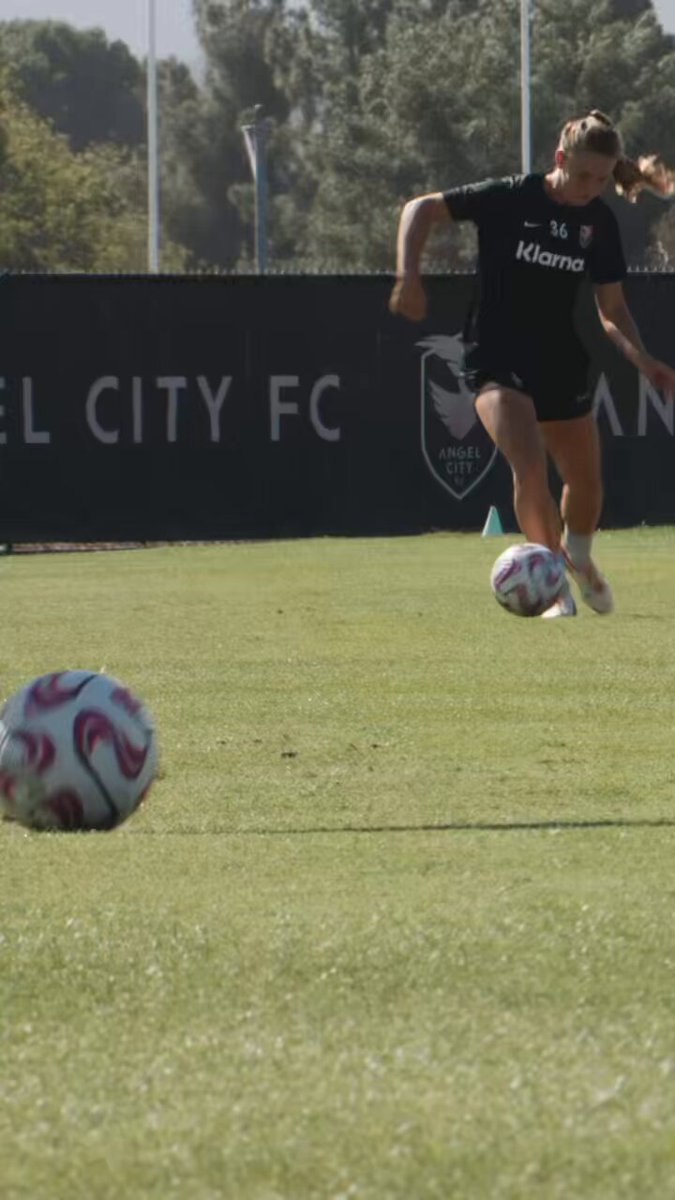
525,134
255,138
153,142
261,191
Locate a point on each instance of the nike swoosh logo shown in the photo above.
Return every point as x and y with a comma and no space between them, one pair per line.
532,224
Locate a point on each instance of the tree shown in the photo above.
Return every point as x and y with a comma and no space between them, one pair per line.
248,46
94,92
198,147
91,89
438,104
61,211
369,102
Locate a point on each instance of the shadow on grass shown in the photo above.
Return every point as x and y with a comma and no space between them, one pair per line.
441,827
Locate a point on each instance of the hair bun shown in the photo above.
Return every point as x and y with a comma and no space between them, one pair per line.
601,117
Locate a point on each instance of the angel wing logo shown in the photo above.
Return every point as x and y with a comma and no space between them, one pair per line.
456,448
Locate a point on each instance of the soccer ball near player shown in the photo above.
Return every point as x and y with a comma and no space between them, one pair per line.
527,579
77,751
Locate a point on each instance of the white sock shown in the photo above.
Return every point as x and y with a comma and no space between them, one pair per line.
578,546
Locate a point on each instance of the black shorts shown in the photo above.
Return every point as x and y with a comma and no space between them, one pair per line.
557,395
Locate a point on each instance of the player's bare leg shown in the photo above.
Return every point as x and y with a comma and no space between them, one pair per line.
574,447
510,419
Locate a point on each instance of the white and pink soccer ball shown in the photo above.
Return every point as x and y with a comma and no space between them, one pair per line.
77,751
527,579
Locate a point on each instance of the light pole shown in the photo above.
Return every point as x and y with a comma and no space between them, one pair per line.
255,137
153,141
525,133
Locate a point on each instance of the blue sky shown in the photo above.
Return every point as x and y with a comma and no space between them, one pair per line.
127,19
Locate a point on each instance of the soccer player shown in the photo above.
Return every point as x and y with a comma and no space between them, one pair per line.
538,236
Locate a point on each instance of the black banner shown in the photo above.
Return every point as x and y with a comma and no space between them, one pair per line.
195,408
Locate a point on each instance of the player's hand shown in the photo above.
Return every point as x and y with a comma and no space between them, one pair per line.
408,299
659,374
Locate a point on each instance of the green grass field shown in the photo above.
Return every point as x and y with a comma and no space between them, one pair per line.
398,918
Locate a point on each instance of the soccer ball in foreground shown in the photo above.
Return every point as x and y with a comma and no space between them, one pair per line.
77,751
527,579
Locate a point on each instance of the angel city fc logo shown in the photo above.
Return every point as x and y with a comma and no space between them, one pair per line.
456,448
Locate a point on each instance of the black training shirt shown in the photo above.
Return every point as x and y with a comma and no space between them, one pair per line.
533,255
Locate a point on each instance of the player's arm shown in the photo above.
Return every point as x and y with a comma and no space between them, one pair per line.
418,217
618,323
620,327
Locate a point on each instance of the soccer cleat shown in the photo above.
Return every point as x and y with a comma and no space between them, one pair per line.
564,605
594,588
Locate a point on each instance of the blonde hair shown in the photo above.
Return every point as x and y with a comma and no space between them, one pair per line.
598,135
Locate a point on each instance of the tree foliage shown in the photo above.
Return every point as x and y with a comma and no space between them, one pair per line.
200,159
368,102
384,99
62,211
89,88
